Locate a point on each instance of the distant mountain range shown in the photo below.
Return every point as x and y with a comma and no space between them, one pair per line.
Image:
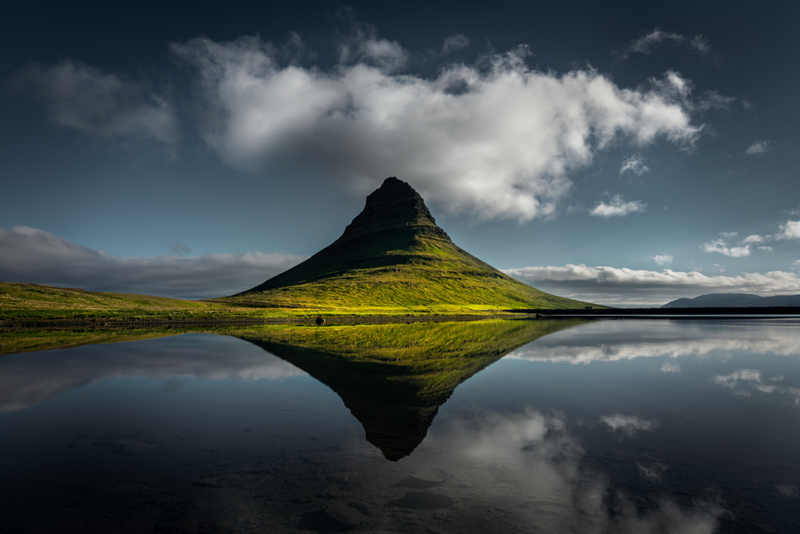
393,256
734,300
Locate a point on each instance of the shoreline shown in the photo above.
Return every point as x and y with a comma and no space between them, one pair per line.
123,323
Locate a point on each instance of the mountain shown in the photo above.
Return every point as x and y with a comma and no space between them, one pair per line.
393,255
734,300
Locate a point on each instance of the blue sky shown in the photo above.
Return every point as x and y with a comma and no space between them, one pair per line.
614,152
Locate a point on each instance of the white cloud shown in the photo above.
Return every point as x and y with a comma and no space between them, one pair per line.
617,207
455,43
759,147
765,249
670,367
497,139
729,234
789,230
732,380
622,286
36,256
663,259
753,239
752,377
610,341
635,165
650,41
629,424
535,462
88,100
719,246
28,381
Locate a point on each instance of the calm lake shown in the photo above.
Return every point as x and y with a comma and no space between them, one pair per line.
651,426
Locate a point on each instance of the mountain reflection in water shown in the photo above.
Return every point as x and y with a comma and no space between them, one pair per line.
664,426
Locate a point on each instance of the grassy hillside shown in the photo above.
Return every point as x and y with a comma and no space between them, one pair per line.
33,301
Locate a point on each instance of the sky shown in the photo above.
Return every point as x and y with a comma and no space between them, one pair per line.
623,153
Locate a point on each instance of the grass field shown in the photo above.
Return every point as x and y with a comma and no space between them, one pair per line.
31,303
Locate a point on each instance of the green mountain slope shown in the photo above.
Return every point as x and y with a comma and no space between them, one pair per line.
393,256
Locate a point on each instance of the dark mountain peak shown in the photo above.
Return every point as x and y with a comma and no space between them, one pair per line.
394,204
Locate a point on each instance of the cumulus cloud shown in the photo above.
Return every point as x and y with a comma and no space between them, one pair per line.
635,165
663,259
789,230
496,138
759,147
455,43
617,207
649,42
36,256
629,424
720,246
622,286
104,105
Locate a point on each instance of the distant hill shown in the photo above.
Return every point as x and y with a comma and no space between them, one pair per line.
394,256
734,300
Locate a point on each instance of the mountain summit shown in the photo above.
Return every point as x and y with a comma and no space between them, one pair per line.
393,255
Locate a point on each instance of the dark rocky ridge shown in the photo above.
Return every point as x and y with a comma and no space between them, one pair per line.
394,207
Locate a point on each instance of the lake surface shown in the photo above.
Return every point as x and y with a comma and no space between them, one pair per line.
652,426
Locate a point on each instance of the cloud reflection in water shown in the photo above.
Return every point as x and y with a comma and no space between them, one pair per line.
32,378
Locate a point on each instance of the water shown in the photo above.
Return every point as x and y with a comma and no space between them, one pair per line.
541,426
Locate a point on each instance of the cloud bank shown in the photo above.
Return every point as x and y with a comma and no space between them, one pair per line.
615,286
611,341
36,256
497,138
86,99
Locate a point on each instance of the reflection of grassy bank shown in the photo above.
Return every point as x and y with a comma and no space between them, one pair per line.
16,341
394,377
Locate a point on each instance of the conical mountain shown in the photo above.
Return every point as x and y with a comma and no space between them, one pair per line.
393,255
